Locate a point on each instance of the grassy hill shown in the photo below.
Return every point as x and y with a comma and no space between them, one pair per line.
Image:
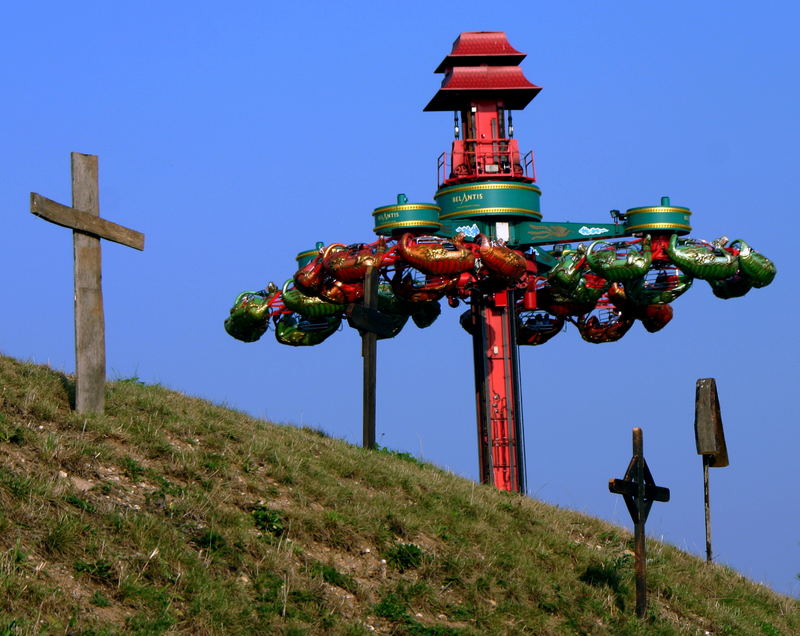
172,515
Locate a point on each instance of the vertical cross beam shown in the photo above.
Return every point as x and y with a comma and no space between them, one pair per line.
90,338
640,555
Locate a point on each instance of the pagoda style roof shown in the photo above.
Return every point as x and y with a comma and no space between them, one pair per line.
472,48
465,84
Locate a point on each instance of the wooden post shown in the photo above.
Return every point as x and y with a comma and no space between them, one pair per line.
369,350
87,230
707,502
639,491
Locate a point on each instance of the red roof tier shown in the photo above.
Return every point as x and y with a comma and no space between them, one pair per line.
472,48
462,85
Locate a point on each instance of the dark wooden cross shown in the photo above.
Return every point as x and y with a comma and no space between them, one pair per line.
710,440
83,218
639,490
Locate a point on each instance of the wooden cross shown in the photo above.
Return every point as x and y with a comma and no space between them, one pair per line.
83,218
639,491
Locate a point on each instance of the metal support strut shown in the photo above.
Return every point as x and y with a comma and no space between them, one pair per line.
501,451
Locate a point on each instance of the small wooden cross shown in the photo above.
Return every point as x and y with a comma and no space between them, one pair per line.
83,218
639,490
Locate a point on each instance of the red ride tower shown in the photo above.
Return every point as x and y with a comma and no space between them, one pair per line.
522,278
486,187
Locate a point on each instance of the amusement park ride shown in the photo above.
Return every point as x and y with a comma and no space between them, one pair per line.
484,243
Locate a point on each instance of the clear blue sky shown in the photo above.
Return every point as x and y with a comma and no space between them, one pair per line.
236,137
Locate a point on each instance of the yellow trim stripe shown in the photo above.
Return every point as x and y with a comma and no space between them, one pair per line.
658,226
406,206
304,254
435,224
658,211
487,186
482,211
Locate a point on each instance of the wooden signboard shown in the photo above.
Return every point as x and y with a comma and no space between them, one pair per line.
708,433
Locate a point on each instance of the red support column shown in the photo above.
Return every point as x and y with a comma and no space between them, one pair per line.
500,435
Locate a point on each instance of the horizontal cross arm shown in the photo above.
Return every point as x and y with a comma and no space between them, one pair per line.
630,488
85,222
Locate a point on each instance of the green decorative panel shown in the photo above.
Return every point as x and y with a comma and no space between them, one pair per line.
661,218
527,233
489,199
406,217
468,227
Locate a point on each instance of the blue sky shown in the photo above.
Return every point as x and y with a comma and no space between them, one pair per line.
235,138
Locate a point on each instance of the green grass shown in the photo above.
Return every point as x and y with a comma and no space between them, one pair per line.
171,515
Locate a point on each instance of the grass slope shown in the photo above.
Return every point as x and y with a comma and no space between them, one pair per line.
172,515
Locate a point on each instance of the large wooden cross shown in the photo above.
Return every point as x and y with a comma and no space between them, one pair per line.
83,218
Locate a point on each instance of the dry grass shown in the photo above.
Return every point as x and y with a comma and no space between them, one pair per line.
171,515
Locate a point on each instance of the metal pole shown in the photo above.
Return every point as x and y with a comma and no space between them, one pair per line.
369,351
638,526
482,398
706,462
519,431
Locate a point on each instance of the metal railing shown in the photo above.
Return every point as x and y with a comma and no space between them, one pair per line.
494,159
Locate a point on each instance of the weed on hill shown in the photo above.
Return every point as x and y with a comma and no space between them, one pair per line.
172,515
